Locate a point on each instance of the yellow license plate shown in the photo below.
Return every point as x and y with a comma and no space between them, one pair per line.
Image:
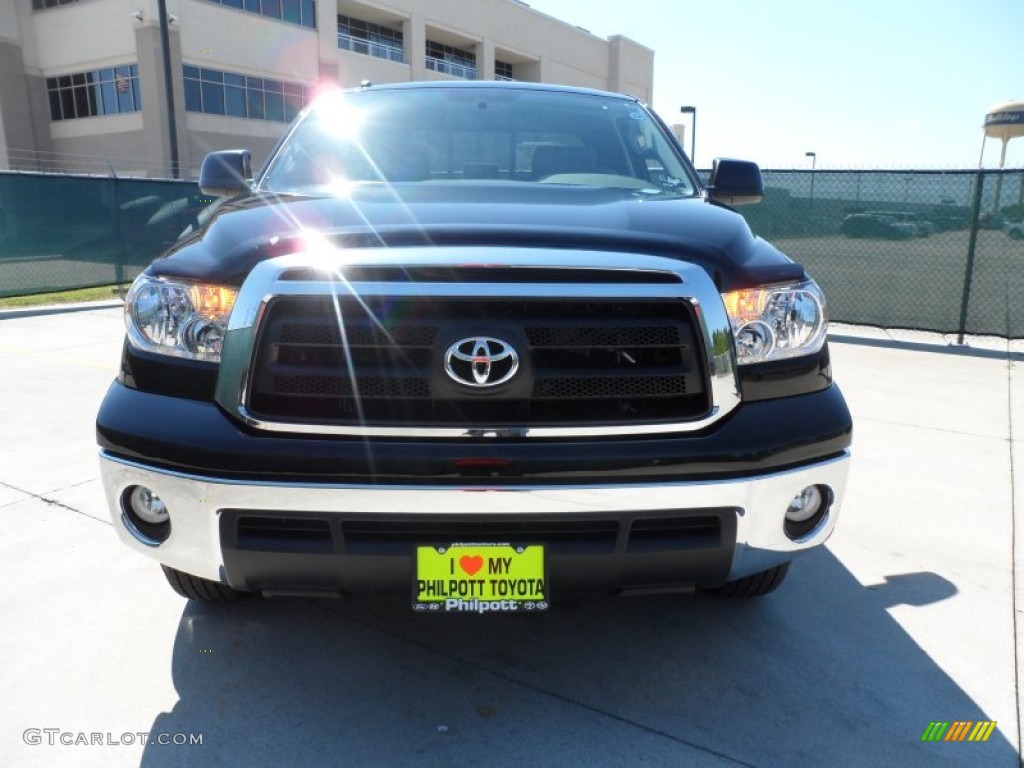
480,578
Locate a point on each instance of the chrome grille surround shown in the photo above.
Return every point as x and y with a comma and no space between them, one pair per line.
273,278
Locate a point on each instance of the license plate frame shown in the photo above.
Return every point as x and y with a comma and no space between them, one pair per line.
480,578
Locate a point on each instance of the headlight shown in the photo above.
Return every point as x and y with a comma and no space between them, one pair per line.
777,322
178,318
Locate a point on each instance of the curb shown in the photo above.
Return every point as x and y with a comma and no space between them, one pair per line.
58,309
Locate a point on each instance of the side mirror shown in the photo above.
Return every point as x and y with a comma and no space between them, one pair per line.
226,173
735,182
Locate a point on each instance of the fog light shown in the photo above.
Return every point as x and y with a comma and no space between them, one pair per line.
148,506
145,515
806,511
805,505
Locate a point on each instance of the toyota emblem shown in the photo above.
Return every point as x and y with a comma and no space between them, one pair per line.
481,361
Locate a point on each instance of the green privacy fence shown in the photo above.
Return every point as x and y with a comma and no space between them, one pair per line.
937,251
63,232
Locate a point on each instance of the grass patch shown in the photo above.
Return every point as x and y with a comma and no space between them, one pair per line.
64,297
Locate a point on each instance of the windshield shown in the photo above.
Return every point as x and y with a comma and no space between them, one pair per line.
479,135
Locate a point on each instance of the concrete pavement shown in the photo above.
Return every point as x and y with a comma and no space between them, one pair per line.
907,616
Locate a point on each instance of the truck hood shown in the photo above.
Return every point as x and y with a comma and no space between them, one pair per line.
243,232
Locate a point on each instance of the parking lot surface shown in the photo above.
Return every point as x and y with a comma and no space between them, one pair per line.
910,615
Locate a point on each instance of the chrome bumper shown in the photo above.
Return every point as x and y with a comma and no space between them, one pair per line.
194,503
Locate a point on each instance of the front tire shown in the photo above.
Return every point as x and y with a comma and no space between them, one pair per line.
755,585
203,590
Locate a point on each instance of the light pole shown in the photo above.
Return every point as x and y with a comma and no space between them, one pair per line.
692,111
814,164
172,126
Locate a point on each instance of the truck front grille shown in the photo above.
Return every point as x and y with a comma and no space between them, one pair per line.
381,362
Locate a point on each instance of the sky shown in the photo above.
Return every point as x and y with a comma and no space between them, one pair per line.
889,84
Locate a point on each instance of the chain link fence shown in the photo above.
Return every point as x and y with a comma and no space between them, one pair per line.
936,251
33,160
924,250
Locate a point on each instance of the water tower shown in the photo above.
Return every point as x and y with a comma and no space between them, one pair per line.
1004,122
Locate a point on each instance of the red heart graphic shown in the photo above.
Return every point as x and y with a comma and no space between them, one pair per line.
471,564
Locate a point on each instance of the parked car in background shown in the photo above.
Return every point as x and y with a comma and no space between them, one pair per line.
948,219
879,224
1014,229
922,227
991,221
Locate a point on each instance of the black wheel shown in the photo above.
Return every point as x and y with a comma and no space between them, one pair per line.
755,585
1016,234
204,590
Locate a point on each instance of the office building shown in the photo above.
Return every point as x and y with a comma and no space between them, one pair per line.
82,82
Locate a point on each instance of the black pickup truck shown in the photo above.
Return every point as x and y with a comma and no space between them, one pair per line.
483,344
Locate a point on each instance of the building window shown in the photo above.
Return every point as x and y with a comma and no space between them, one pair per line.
371,39
107,91
502,70
255,98
451,61
301,12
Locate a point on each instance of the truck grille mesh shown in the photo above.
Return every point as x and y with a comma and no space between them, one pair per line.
380,362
